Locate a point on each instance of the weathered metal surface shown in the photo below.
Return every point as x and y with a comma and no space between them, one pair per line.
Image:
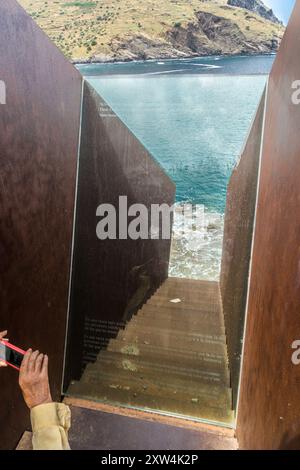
39,127
238,234
95,430
269,405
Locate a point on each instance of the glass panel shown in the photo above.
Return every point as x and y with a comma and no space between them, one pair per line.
238,234
144,331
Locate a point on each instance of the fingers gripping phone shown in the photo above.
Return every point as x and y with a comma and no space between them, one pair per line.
11,355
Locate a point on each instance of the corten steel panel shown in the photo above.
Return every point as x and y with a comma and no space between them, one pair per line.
39,129
269,406
96,430
238,230
111,278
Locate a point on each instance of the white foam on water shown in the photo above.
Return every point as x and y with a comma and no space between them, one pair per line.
208,66
196,252
161,73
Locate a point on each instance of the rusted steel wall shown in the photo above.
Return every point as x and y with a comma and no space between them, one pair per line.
269,404
237,241
111,278
39,127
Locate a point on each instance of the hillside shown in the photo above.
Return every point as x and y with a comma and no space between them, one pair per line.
256,6
106,30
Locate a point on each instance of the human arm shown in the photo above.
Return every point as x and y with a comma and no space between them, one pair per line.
50,421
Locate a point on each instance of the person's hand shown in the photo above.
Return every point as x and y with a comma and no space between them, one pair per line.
33,379
2,337
3,334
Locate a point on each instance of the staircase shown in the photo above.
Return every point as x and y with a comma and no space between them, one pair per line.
171,357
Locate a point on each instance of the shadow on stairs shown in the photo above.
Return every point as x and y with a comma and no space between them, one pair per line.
170,358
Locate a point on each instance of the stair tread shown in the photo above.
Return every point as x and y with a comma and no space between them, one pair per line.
146,366
190,286
193,302
135,350
137,385
164,383
180,315
119,394
175,323
157,383
182,309
213,362
162,338
198,283
217,334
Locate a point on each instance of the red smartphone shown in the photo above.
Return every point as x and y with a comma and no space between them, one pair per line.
11,355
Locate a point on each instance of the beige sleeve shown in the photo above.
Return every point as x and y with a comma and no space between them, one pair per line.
50,425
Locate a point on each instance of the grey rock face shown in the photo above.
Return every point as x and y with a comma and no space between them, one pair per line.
257,6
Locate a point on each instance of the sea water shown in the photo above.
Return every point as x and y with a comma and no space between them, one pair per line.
193,116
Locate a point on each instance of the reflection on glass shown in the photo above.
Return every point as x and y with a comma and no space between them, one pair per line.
170,357
163,347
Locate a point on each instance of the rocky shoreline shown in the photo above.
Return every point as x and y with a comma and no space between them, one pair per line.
209,35
134,31
116,60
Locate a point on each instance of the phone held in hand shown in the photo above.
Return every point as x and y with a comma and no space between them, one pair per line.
11,355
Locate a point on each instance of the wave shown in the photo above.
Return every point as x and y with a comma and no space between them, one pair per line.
163,72
196,251
208,66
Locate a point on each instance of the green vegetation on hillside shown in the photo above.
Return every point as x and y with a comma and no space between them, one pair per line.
128,29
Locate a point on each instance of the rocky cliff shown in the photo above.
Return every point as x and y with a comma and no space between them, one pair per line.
257,6
148,29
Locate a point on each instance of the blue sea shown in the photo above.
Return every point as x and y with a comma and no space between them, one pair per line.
193,115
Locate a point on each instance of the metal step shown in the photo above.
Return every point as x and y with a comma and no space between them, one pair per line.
148,367
120,393
184,357
182,340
